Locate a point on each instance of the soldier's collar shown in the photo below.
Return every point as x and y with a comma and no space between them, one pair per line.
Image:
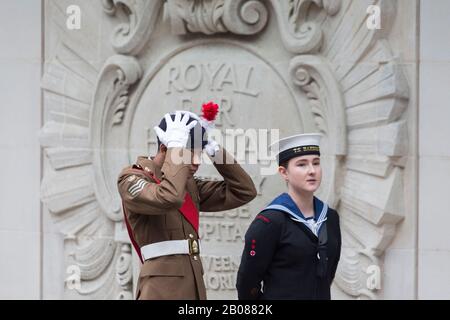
149,165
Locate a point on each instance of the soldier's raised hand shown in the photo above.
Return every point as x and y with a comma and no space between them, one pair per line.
177,132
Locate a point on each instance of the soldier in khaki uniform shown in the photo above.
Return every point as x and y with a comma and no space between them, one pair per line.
161,200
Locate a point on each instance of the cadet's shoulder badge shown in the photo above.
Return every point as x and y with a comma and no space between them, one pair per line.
131,178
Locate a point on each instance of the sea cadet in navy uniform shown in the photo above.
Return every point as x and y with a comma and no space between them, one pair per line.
162,200
292,247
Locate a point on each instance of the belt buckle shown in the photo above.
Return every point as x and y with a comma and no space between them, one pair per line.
193,247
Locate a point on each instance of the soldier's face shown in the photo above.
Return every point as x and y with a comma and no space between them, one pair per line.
303,174
196,158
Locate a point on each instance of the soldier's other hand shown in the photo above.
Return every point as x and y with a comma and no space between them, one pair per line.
212,147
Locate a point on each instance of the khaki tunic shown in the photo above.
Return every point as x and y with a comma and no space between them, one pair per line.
153,215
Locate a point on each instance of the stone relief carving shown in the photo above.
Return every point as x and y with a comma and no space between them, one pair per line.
299,32
124,274
354,87
108,109
142,16
216,16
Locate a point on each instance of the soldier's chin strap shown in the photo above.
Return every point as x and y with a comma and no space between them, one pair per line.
188,210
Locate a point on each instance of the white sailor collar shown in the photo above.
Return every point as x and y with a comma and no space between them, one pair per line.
285,204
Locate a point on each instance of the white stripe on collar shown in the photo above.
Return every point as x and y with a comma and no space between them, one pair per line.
314,227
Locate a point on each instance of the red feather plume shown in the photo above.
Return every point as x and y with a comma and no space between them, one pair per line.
210,111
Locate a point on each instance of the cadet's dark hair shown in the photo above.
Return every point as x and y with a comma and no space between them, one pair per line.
194,133
285,164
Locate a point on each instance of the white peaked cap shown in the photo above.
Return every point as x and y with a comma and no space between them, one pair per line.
293,146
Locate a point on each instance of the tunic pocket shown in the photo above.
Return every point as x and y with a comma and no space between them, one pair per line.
160,280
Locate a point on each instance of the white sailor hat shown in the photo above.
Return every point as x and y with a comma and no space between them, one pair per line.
295,146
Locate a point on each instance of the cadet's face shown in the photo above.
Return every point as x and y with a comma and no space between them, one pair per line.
303,173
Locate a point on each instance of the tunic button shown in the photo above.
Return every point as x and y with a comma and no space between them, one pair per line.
318,256
195,258
191,236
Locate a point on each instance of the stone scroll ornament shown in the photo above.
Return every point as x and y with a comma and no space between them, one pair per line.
216,16
353,84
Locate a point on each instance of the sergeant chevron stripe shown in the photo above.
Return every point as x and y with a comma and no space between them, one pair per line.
137,187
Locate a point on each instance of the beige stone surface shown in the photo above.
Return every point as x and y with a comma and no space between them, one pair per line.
379,97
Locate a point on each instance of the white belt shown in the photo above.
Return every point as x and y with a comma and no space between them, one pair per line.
166,248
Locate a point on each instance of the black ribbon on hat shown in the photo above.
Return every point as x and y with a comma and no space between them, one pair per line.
296,152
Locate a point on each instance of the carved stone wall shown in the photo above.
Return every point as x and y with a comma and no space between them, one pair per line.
294,65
